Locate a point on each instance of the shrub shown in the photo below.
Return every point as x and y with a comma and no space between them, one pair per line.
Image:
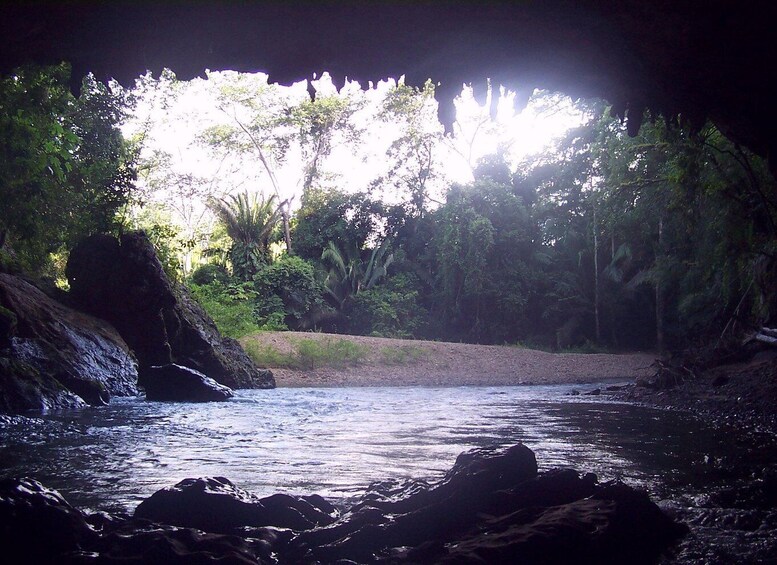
266,355
288,286
391,310
9,263
401,355
210,273
329,352
230,306
270,313
308,354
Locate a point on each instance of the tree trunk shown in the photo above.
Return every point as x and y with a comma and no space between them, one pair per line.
286,228
596,282
612,247
660,294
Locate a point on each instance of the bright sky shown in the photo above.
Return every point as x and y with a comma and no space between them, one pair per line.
173,128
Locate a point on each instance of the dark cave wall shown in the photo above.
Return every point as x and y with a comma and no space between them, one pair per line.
698,60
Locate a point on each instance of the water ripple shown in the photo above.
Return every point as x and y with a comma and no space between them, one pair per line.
336,441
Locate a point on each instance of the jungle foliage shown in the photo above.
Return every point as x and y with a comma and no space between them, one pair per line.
65,169
604,241
656,241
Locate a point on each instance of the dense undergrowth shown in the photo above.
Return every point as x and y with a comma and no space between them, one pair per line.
328,352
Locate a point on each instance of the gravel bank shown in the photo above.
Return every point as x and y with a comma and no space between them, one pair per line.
397,362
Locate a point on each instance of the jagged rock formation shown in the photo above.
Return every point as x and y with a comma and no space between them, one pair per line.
675,57
491,507
52,356
494,507
122,281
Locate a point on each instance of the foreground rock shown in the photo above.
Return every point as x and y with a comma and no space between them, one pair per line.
37,525
491,507
122,281
182,384
216,505
52,356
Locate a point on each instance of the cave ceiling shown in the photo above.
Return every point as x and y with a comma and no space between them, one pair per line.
691,59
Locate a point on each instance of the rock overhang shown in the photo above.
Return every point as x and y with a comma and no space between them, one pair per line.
675,58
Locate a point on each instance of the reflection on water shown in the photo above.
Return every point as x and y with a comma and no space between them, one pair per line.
336,441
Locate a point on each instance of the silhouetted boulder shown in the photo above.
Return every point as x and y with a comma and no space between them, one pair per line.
214,504
57,357
491,507
37,525
123,282
182,384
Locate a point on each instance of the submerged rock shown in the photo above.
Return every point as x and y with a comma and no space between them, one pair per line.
177,383
57,357
491,507
123,282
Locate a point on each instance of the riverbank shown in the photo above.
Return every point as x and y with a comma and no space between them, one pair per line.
735,519
396,362
739,395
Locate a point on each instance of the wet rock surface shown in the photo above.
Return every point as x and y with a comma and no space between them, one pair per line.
736,522
176,383
196,342
491,507
214,504
123,282
37,525
52,356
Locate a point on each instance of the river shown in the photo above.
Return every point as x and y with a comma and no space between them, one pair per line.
336,441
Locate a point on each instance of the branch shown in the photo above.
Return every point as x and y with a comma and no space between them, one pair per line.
257,145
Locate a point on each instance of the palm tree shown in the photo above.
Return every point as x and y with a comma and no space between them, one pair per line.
249,221
348,275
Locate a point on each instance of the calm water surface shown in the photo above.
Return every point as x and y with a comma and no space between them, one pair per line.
336,441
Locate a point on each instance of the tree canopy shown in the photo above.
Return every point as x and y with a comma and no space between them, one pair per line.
603,240
65,169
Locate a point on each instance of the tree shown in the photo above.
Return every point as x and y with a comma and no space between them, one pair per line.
413,155
662,229
347,220
485,254
257,124
249,221
65,169
320,122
